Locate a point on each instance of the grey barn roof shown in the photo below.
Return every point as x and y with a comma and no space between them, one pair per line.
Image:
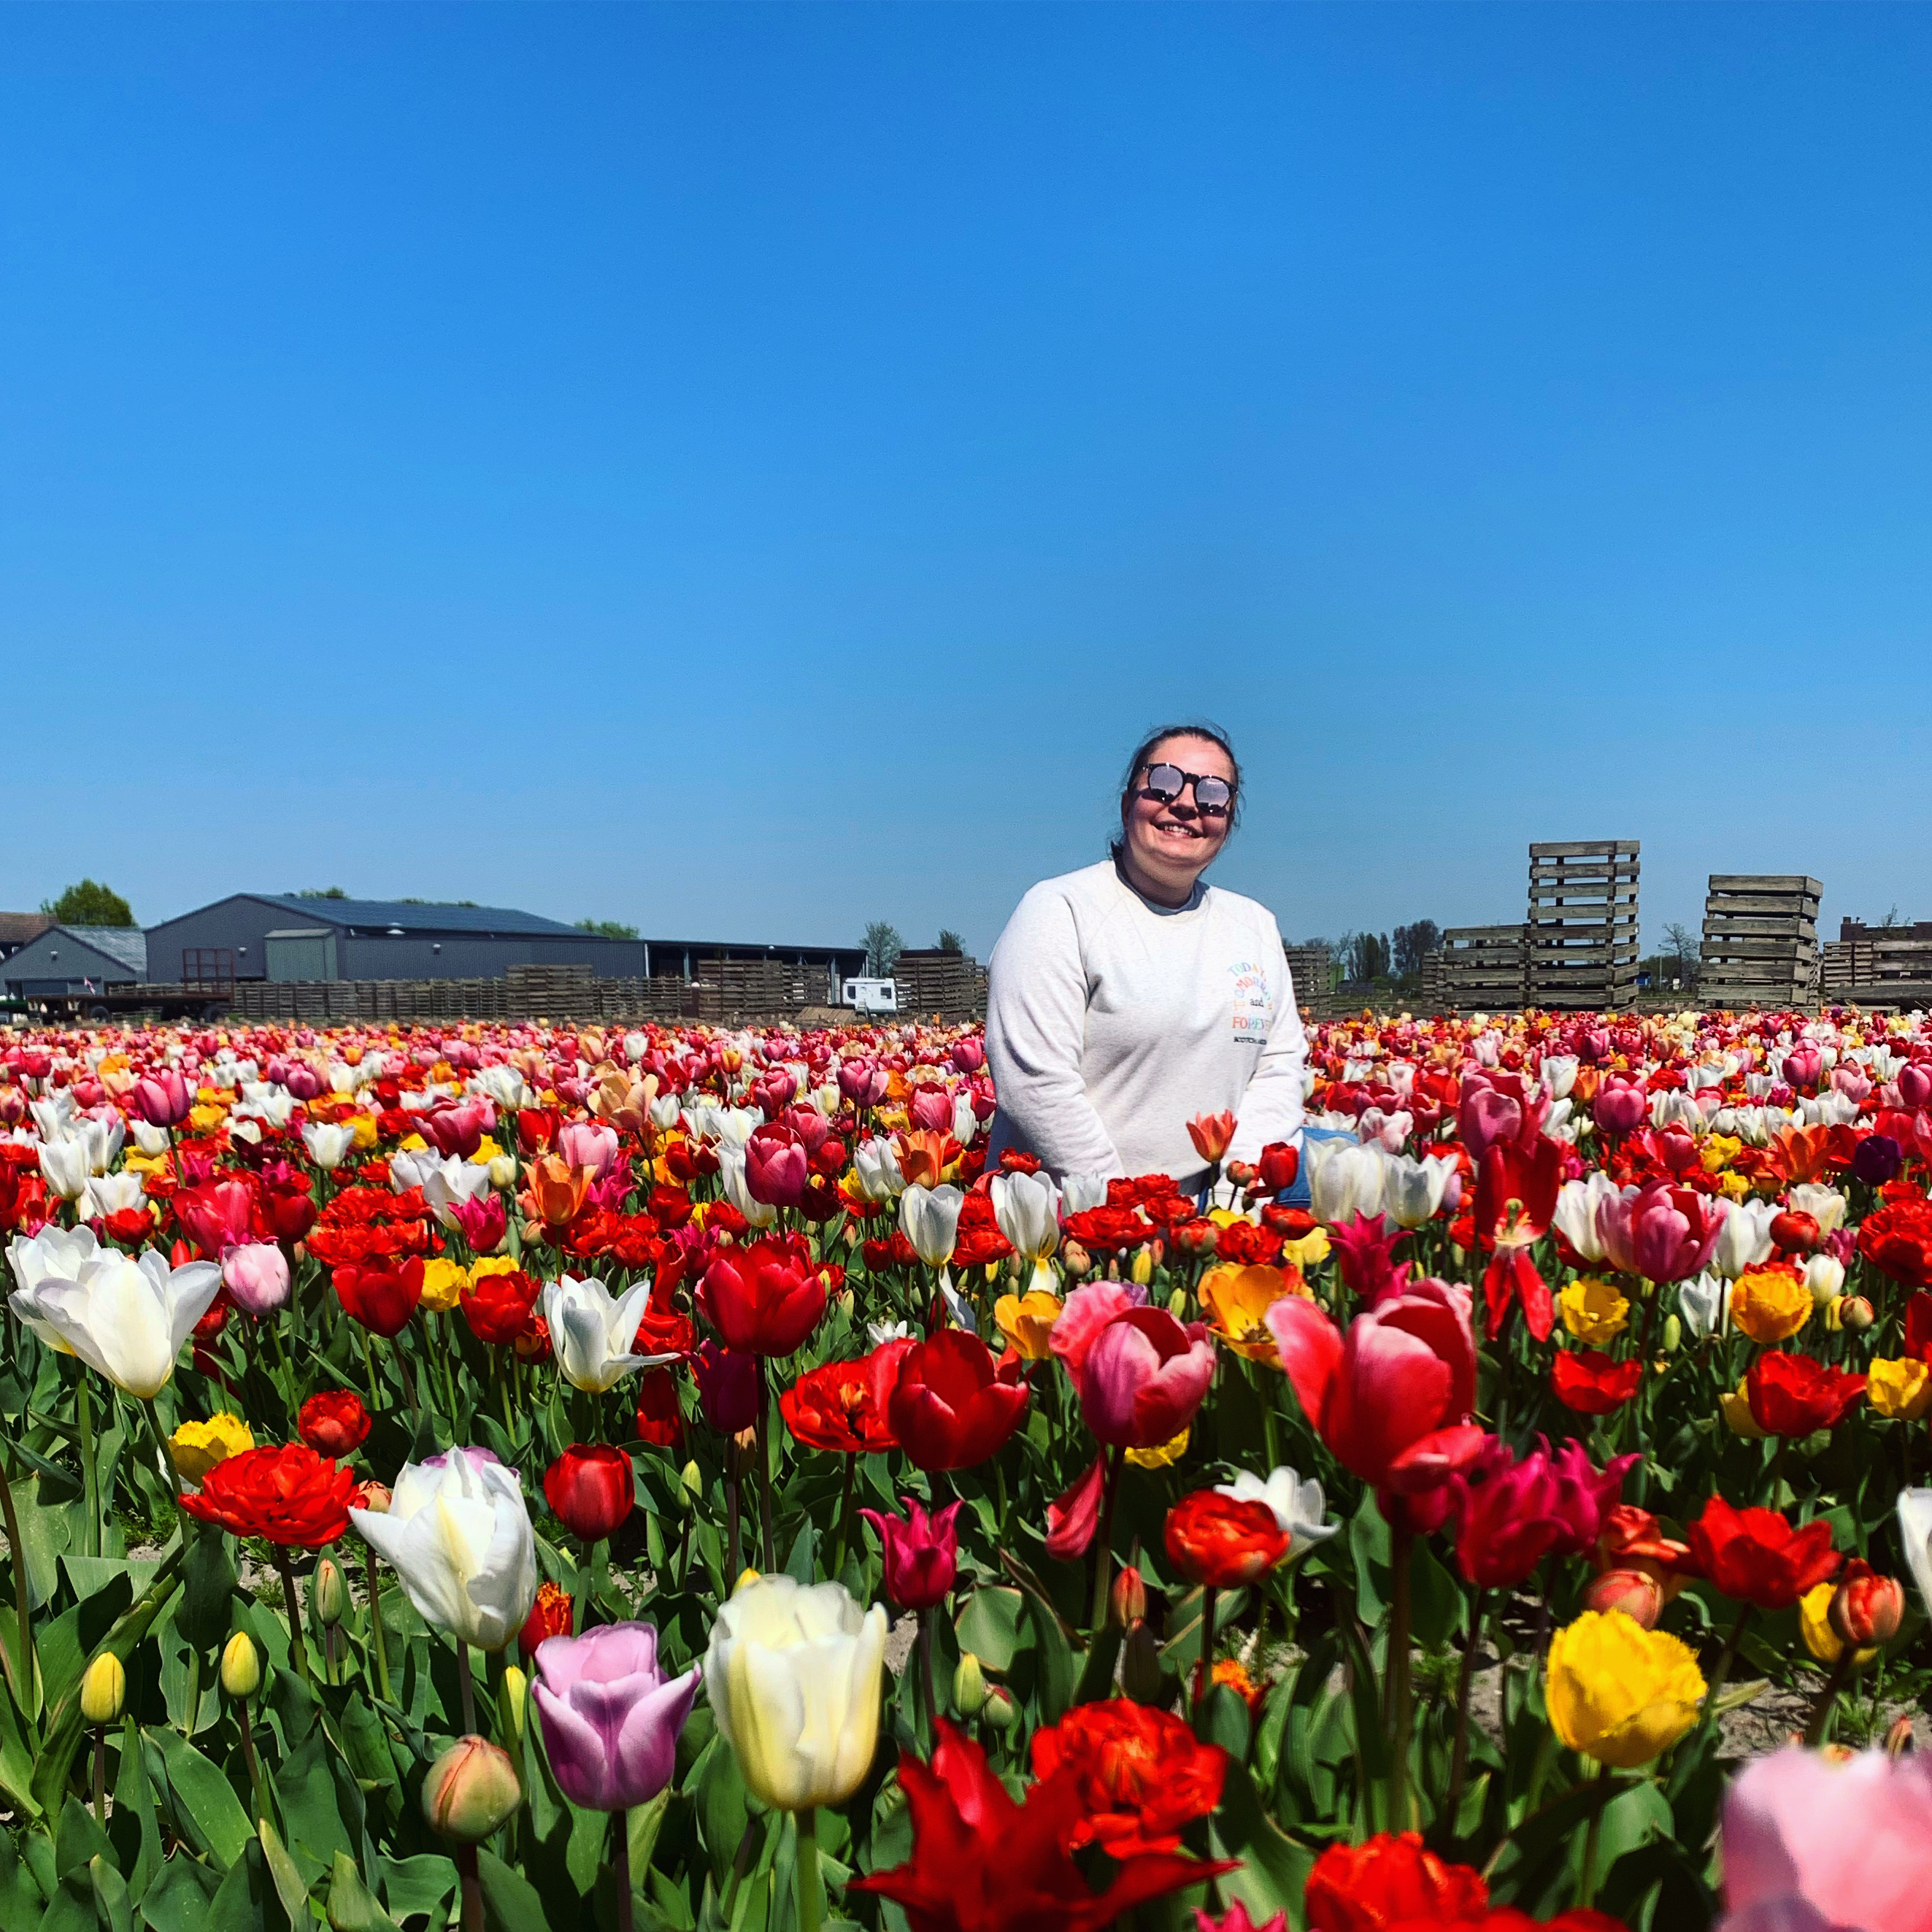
380,914
127,943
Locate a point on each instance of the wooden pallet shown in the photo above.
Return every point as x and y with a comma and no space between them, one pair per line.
1760,940
1844,963
1900,955
1313,974
1482,967
952,984
1583,925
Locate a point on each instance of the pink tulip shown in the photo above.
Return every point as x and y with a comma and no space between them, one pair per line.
1088,1310
483,1220
1621,1105
863,1082
588,1144
1661,1232
257,1276
775,1164
931,1109
611,1716
1812,1846
809,1124
1497,1107
457,1130
1803,1064
1584,1494
1915,1084
969,1056
163,1098
922,1552
1143,1378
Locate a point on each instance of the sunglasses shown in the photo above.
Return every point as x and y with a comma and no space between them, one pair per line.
1213,797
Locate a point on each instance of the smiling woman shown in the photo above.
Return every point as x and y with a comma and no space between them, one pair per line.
1129,997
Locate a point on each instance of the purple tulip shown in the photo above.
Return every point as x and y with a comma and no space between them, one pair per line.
611,1717
728,1387
257,1275
922,1552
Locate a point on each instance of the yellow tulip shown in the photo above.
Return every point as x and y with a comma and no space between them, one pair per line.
1159,1457
1814,1624
1236,1299
1901,1389
1313,1247
1718,1151
196,1447
1026,1321
1738,1416
1769,1305
444,1281
364,1126
1593,1311
1618,1693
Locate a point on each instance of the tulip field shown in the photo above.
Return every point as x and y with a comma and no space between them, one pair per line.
523,1476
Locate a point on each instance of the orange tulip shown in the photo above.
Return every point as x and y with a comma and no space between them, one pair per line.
1210,1134
925,1155
1237,1298
555,1190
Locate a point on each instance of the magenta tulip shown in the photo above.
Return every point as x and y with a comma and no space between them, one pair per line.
162,1099
1661,1232
775,1166
1143,1376
611,1717
922,1552
1621,1105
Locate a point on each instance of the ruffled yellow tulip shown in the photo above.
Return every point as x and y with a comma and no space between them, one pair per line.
444,1281
1901,1389
1594,1311
1618,1693
1768,1304
196,1447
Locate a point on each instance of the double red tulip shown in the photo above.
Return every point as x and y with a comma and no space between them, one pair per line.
381,1295
1592,1382
1221,1542
590,1487
1754,1556
288,1494
1792,1395
953,1406
1144,1775
1390,1880
333,1422
764,1298
551,1615
1508,1516
840,1406
497,1306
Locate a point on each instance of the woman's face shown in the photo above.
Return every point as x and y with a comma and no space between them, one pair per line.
1170,846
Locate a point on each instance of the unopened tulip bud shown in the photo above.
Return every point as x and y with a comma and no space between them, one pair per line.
1075,1259
1635,1592
1855,1312
999,1711
1824,1277
745,1441
1899,1739
1241,1173
1141,1269
1196,1237
1866,1608
103,1690
691,1480
374,1497
1673,1334
1140,1673
510,1694
470,1790
969,1686
331,1593
240,1667
1126,1602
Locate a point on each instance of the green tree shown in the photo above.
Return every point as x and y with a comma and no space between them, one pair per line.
90,903
950,941
883,946
322,892
607,929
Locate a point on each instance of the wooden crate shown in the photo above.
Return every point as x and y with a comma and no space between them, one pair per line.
1760,940
952,985
1483,968
1844,963
1583,925
1901,954
1314,976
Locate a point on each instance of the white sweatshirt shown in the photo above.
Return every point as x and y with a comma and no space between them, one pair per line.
1111,1022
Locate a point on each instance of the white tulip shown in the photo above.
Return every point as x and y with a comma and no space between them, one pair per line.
54,1116
447,1184
109,1193
1672,1108
592,1331
1704,1304
458,1533
1344,1180
150,1141
1825,1205
63,1167
1080,1192
793,1674
410,1167
1558,1074
876,1169
55,1253
1298,1506
1915,1530
328,1143
1577,1202
929,1218
127,1318
737,1189
1745,1239
100,1141
504,1085
664,1111
1413,1190
1824,1277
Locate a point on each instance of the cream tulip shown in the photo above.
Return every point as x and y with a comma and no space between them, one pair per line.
127,1318
592,1331
794,1677
929,1218
329,1144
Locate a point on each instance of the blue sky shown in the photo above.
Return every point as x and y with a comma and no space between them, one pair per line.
748,471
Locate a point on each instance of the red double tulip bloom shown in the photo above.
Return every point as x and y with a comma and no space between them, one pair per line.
333,1422
1897,1239
381,1296
288,1494
952,1405
1222,1543
764,1298
1593,1383
550,1616
1754,1556
1792,1395
1390,1879
1508,1515
1144,1775
591,1487
497,1306
842,1407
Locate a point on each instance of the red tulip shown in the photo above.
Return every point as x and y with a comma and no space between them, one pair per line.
457,1130
728,1388
1222,1544
775,1163
550,1616
922,1552
381,1297
497,1306
333,1422
660,1416
216,1214
163,1098
1792,1395
1210,1134
1508,1516
288,1494
1276,1169
764,1298
1754,1556
591,1488
1142,1377
953,1406
1589,1382
840,1406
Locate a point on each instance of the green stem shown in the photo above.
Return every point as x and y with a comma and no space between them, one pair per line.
809,1900
376,1638
90,1476
298,1649
1821,1712
1459,1756
23,1612
1586,1890
1401,1541
1103,1543
1204,1675
464,1689
844,1519
765,1470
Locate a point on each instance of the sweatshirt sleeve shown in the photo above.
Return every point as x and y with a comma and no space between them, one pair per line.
1271,1109
1036,1030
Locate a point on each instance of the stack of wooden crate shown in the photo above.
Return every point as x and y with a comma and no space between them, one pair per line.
1583,925
952,985
1483,968
1760,943
1308,967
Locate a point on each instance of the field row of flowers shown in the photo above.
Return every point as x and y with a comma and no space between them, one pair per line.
549,1477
